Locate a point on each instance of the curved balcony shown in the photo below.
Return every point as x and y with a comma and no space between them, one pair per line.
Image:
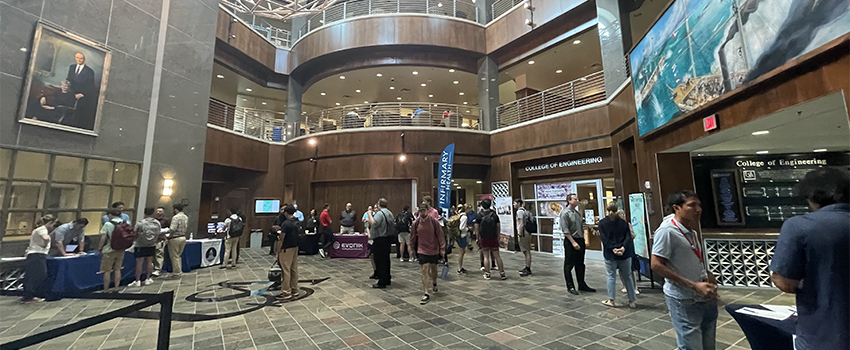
402,114
350,9
254,123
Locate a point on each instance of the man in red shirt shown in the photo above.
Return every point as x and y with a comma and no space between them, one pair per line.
325,230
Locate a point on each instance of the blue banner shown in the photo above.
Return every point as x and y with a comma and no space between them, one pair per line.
444,191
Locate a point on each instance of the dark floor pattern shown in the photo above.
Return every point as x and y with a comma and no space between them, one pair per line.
344,312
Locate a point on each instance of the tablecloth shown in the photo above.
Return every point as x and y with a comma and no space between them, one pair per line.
191,258
764,333
350,247
73,276
309,245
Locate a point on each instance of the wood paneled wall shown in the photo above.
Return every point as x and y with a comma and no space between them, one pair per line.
242,38
360,194
228,149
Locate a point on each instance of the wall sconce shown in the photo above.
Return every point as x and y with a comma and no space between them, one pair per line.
402,158
167,186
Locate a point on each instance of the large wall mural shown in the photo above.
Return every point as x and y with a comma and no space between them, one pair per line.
701,49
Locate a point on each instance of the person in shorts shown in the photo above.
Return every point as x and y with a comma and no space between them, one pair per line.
430,242
110,261
487,228
406,218
148,231
463,239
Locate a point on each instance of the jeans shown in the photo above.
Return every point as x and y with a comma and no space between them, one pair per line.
624,266
695,323
36,273
328,238
574,259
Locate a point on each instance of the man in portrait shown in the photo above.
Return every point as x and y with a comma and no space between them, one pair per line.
85,90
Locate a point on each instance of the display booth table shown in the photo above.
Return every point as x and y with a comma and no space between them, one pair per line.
197,253
764,333
309,245
350,246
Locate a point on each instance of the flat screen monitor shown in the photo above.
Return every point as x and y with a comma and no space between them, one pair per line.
267,206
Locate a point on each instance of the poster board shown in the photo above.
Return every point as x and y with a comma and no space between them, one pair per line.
637,210
728,206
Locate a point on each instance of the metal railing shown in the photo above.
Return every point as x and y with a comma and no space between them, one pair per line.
580,92
392,114
256,123
453,8
501,6
278,37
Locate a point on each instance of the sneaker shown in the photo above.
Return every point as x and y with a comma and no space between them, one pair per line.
502,276
223,267
322,253
609,303
523,269
135,284
401,259
461,271
482,268
425,299
149,281
526,272
33,300
156,274
632,305
486,276
435,288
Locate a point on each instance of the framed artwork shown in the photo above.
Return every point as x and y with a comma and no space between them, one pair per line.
65,83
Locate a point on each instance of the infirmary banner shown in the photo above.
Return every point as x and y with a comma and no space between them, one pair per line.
447,159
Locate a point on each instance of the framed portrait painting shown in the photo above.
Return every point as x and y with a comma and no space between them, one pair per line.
65,83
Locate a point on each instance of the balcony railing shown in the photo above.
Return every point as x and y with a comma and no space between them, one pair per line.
392,114
453,8
278,37
501,6
580,92
256,123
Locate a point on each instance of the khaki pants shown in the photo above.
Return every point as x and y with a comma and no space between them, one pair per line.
175,250
230,246
288,259
159,257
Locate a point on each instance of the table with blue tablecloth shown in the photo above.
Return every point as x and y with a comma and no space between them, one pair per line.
764,333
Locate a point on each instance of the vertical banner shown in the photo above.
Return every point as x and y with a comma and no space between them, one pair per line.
447,159
637,210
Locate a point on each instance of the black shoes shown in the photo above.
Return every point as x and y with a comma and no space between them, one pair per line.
374,276
379,286
573,291
525,272
587,289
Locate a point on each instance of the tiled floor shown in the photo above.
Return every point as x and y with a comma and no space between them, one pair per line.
344,312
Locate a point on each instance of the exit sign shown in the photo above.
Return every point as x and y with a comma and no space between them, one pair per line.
709,123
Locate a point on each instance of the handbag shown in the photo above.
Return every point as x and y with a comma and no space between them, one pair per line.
275,273
444,273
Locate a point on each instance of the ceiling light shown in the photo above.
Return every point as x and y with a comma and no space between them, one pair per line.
464,102
460,94
440,4
365,101
435,105
323,94
342,77
337,103
763,132
415,72
356,90
398,98
312,142
820,150
379,75
265,103
430,95
455,82
248,89
478,182
583,79
23,49
530,62
451,70
465,125
244,99
467,111
392,87
219,76
423,84
576,42
559,71
762,152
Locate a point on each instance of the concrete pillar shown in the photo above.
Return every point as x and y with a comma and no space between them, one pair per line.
293,118
297,23
485,10
488,92
611,41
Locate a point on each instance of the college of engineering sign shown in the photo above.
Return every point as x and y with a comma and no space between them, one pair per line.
564,164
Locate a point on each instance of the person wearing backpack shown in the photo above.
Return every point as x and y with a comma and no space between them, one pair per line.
147,231
112,254
487,228
462,238
289,232
381,232
403,222
523,229
234,226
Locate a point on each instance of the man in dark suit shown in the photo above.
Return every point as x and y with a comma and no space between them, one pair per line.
85,90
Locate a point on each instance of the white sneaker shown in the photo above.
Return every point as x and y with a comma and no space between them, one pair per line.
149,281
401,259
156,274
135,284
322,252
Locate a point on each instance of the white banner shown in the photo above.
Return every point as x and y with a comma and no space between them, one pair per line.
210,252
504,208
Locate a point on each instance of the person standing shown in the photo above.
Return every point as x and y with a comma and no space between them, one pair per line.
273,233
36,260
524,236
119,206
463,239
810,260
346,220
615,234
311,222
111,259
287,254
571,225
487,228
689,289
365,219
403,223
147,233
165,223
429,240
177,240
380,233
65,234
325,227
233,226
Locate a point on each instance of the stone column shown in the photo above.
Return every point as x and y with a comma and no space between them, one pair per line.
485,10
488,92
293,118
611,40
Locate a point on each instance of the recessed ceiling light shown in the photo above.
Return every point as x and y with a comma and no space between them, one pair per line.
435,105
478,182
467,111
583,79
365,101
464,102
398,98
323,94
430,95
460,94
762,152
763,132
356,90
530,62
392,87
451,70
342,77
455,82
219,76
23,49
244,99
820,150
337,103
440,4
559,71
249,89
379,75
415,72
423,84
265,103
576,42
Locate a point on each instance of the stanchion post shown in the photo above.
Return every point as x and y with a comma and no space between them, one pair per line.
166,306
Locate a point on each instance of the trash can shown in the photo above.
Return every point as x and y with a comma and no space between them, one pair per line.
256,238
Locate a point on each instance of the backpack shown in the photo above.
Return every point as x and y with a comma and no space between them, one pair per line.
487,228
402,222
237,226
150,231
529,223
123,236
453,228
392,230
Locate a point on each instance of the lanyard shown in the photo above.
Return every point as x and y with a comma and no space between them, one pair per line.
694,245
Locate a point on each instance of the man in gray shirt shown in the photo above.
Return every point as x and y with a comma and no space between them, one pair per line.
63,235
689,289
570,221
379,233
346,220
